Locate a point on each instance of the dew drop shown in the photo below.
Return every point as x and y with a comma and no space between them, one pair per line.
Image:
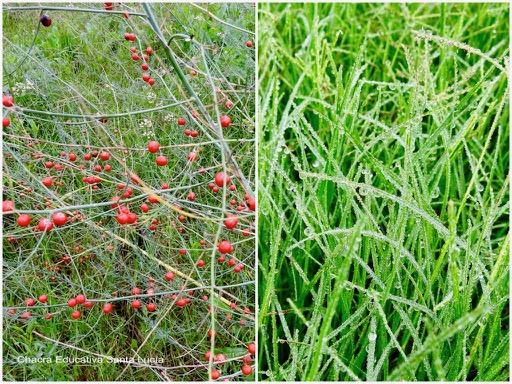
372,336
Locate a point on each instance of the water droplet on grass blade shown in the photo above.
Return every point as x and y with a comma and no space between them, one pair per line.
372,336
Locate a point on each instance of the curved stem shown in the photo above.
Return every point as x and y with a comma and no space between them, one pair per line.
190,90
95,117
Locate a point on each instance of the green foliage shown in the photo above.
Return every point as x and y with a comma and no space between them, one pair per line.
66,77
384,174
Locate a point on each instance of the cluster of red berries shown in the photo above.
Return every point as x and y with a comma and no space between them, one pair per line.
144,56
221,359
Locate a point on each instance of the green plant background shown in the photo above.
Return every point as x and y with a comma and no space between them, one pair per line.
383,192
81,65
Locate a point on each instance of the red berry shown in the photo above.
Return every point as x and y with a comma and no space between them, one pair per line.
76,315
114,201
151,81
132,218
88,304
169,276
43,298
191,196
251,203
231,222
182,121
24,220
225,247
221,179
107,168
246,370
153,146
135,57
215,374
210,333
133,49
72,157
46,20
48,316
30,302
6,122
7,205
45,225
181,303
252,348
135,291
220,358
192,156
8,101
151,307
132,37
208,355
247,359
200,263
26,315
229,104
107,308
161,161
225,121
144,207
59,218
47,181
108,6
249,44
153,200
149,50
80,299
87,157
194,134
136,304
72,303
122,218
145,77
104,156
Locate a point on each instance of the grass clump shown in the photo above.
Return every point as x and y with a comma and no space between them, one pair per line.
384,187
83,116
